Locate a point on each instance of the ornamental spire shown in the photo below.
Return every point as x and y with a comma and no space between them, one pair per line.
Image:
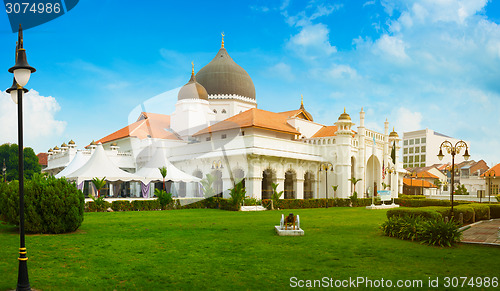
222,45
301,101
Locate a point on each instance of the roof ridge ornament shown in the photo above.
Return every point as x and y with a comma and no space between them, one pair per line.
301,101
222,45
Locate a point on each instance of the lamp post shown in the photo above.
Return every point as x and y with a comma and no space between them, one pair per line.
491,174
453,150
327,166
22,72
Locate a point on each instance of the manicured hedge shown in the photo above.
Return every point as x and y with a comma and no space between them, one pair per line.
494,210
467,211
121,205
481,211
413,212
402,196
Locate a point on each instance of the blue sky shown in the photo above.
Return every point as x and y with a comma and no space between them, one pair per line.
418,63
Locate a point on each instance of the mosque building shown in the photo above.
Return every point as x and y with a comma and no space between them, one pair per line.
217,129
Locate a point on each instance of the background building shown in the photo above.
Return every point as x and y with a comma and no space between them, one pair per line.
420,148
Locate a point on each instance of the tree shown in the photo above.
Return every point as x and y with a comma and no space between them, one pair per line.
276,195
438,183
163,172
99,184
354,181
9,153
207,184
461,190
335,191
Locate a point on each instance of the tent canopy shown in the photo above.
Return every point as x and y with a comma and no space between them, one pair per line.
99,165
76,163
151,170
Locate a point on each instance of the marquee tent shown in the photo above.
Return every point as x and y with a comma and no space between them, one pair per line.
76,163
99,165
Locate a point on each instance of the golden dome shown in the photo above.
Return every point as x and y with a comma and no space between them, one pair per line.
71,142
64,145
344,116
393,133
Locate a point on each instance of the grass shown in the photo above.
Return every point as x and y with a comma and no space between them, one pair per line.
213,249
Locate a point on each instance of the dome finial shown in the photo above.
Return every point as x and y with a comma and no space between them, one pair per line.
344,109
301,100
222,46
192,68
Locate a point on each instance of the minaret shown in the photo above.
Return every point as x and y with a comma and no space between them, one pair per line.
362,152
344,141
192,111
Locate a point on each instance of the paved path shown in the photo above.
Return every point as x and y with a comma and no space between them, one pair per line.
483,232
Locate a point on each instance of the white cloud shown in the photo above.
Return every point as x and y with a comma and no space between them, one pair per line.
312,42
282,71
407,120
367,3
391,47
40,124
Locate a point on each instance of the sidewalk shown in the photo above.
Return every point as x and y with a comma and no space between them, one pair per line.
483,232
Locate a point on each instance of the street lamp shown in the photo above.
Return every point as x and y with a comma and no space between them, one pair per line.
491,174
327,166
22,71
453,150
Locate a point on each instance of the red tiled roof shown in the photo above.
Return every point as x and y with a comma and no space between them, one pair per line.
326,131
147,125
256,118
42,158
418,183
495,169
301,113
426,174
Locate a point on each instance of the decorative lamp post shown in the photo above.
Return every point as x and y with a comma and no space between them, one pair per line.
22,71
453,150
327,166
491,174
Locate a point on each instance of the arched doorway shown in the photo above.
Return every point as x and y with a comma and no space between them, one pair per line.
268,177
373,174
308,185
290,179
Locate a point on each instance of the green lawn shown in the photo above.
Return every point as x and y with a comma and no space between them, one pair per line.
213,249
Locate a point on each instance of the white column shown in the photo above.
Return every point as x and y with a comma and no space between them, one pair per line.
300,189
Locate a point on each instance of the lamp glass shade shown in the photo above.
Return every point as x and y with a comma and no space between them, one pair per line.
440,155
466,155
13,95
22,76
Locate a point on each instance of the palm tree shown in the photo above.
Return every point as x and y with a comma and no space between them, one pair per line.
207,183
335,190
163,172
354,181
99,184
438,183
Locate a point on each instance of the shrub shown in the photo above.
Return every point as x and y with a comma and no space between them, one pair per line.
51,205
165,199
467,211
98,204
237,195
250,201
413,212
461,190
402,196
481,212
437,232
494,210
142,205
121,205
432,231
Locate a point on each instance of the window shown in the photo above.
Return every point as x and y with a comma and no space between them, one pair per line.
411,159
405,151
422,165
242,133
494,189
422,158
417,141
215,111
223,136
411,150
208,138
411,141
417,159
423,139
405,166
405,142
405,160
223,111
417,150
422,149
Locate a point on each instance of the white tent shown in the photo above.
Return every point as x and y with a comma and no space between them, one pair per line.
99,165
152,173
76,163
